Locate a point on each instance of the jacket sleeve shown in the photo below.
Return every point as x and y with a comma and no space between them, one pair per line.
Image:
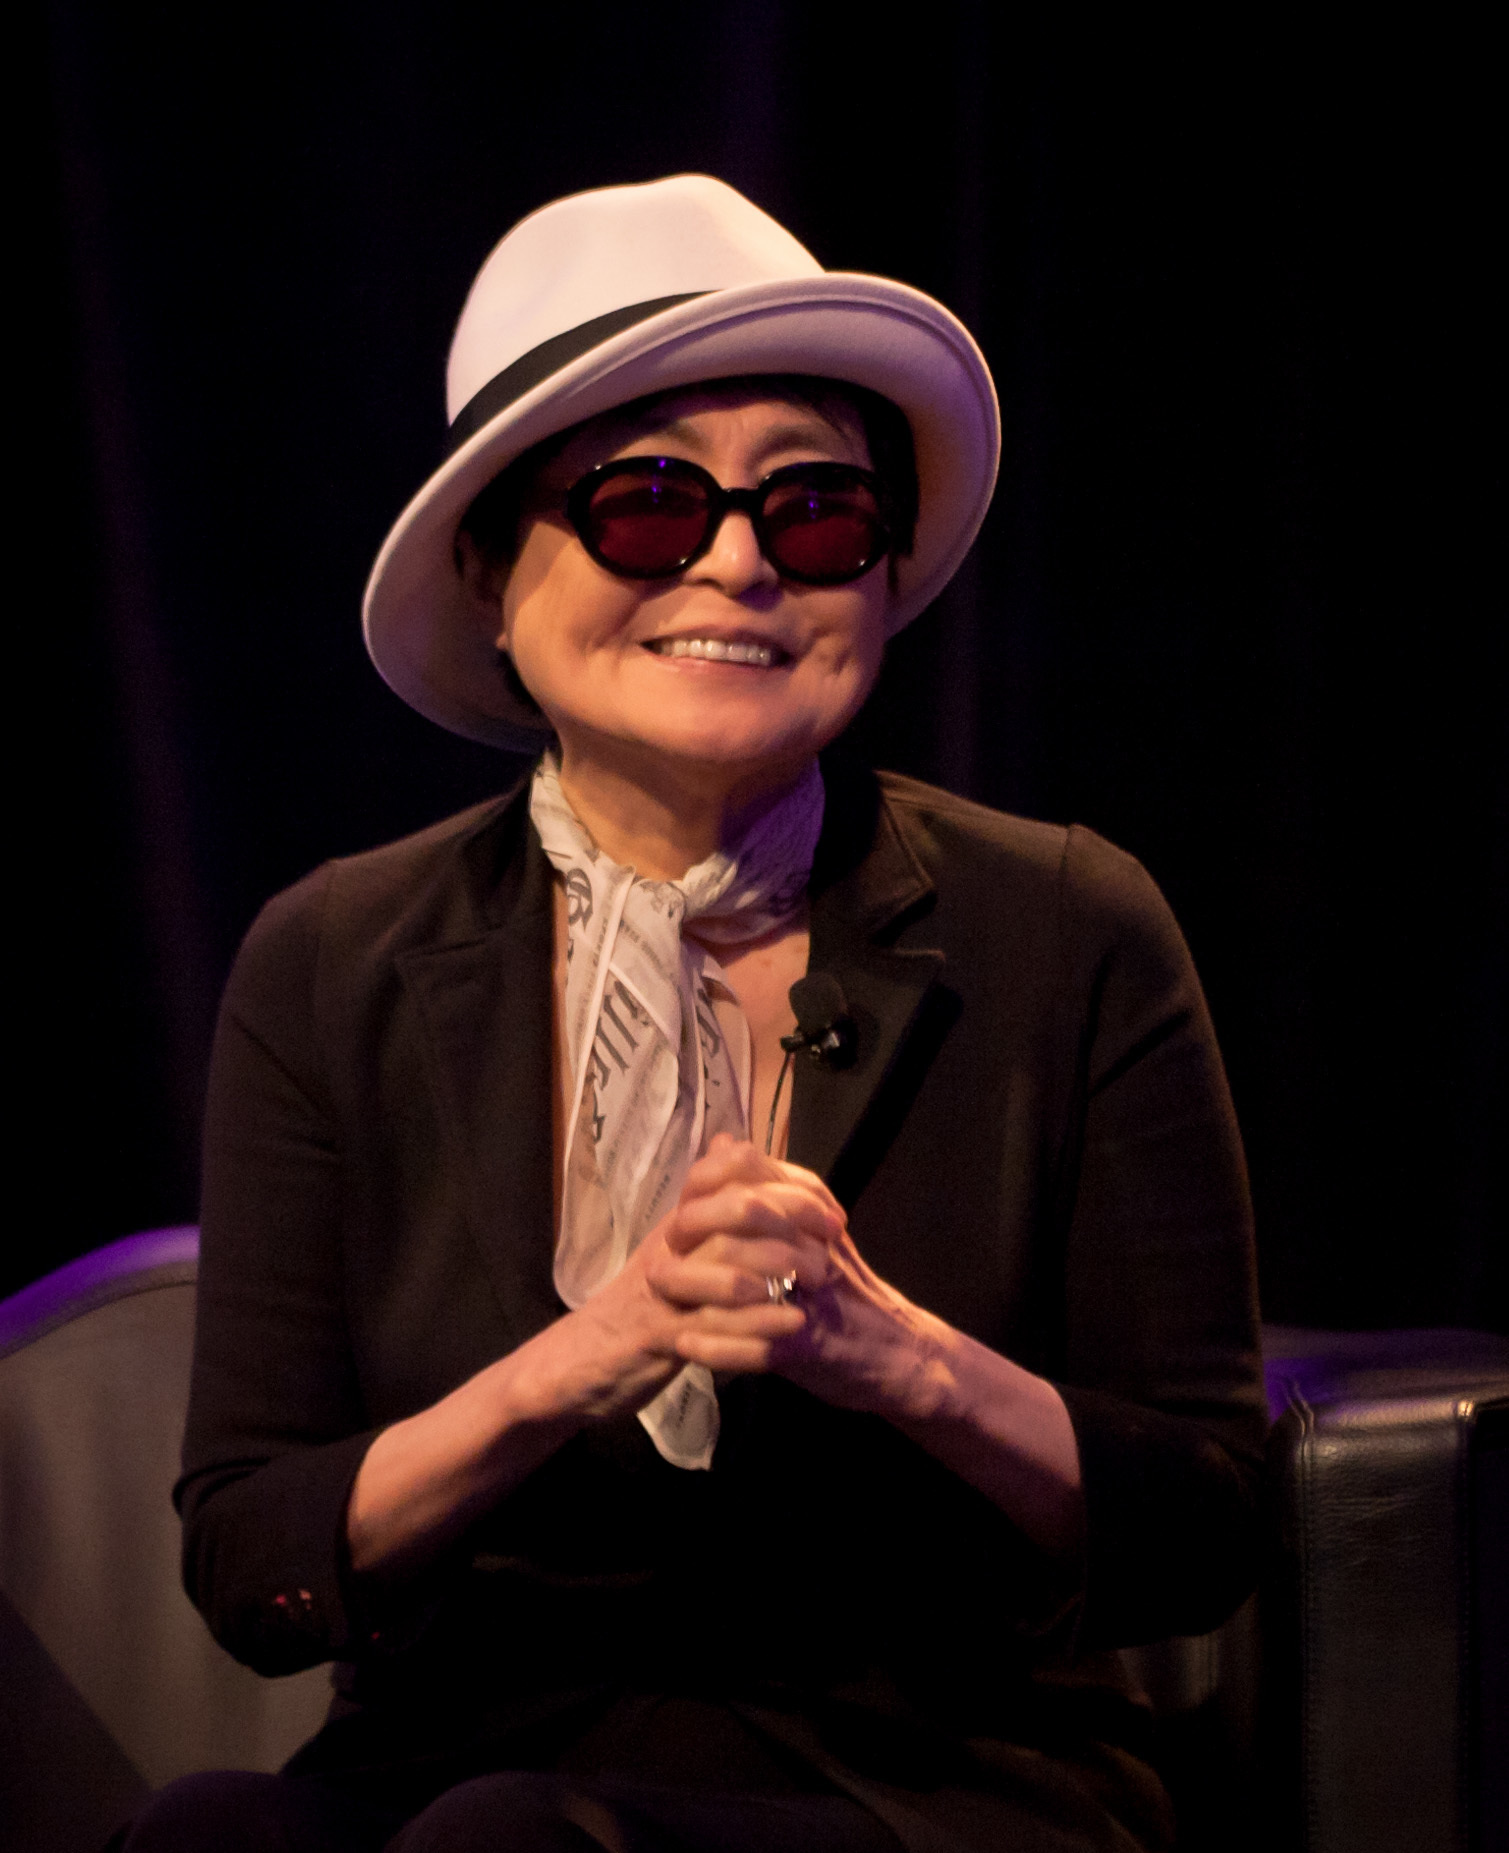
276,1427
1162,1374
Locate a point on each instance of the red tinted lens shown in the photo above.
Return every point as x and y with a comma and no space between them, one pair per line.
646,525
823,532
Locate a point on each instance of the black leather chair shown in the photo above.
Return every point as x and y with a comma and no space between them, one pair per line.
1358,1703
109,1682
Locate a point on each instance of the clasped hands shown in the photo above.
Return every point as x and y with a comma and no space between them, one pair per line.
696,1291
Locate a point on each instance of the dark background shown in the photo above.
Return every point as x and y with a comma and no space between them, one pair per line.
1235,290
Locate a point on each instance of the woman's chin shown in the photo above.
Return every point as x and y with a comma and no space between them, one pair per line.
737,735
732,759
729,752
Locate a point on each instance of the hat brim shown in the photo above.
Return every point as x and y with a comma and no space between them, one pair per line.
421,623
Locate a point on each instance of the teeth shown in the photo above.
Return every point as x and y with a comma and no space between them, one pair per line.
716,650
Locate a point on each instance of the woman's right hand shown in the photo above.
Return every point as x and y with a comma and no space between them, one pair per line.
426,1478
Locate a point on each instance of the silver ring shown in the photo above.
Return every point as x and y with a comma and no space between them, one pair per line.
781,1288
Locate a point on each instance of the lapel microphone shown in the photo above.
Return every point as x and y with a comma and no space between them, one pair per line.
824,1028
824,1031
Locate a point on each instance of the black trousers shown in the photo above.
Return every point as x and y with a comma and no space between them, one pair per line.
512,1811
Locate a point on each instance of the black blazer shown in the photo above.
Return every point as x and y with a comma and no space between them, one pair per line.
1035,1141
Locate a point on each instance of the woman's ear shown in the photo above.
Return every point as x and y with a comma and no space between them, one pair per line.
483,580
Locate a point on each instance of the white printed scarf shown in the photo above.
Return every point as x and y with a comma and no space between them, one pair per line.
652,1075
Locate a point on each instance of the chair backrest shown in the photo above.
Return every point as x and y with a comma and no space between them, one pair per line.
111,1683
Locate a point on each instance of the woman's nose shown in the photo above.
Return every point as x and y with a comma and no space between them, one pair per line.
734,562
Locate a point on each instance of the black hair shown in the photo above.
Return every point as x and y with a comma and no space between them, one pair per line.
493,518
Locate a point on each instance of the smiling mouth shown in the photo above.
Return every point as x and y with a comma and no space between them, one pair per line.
720,650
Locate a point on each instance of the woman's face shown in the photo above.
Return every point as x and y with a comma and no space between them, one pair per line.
594,649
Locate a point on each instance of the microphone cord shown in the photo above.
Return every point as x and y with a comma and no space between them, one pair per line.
775,1099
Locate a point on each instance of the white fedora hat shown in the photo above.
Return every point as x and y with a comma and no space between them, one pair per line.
604,297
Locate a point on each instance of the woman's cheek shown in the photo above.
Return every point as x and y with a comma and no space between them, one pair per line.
851,661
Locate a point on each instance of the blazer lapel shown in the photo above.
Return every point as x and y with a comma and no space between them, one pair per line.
866,881
484,1002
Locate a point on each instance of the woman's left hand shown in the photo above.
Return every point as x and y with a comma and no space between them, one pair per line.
862,1345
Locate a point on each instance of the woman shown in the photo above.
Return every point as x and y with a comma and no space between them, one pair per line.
672,1454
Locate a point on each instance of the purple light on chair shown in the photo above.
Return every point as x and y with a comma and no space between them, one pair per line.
1319,1366
157,1258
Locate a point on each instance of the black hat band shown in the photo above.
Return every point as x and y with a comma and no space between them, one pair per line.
549,357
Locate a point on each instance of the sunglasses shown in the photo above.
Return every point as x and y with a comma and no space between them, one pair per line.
651,517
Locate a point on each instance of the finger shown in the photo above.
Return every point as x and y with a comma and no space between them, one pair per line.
770,1210
760,1256
730,1163
733,1276
767,1325
727,1160
809,1180
808,1231
736,1357
768,1319
747,1341
725,1272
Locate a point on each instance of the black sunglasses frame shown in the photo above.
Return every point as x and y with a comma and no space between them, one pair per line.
721,502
